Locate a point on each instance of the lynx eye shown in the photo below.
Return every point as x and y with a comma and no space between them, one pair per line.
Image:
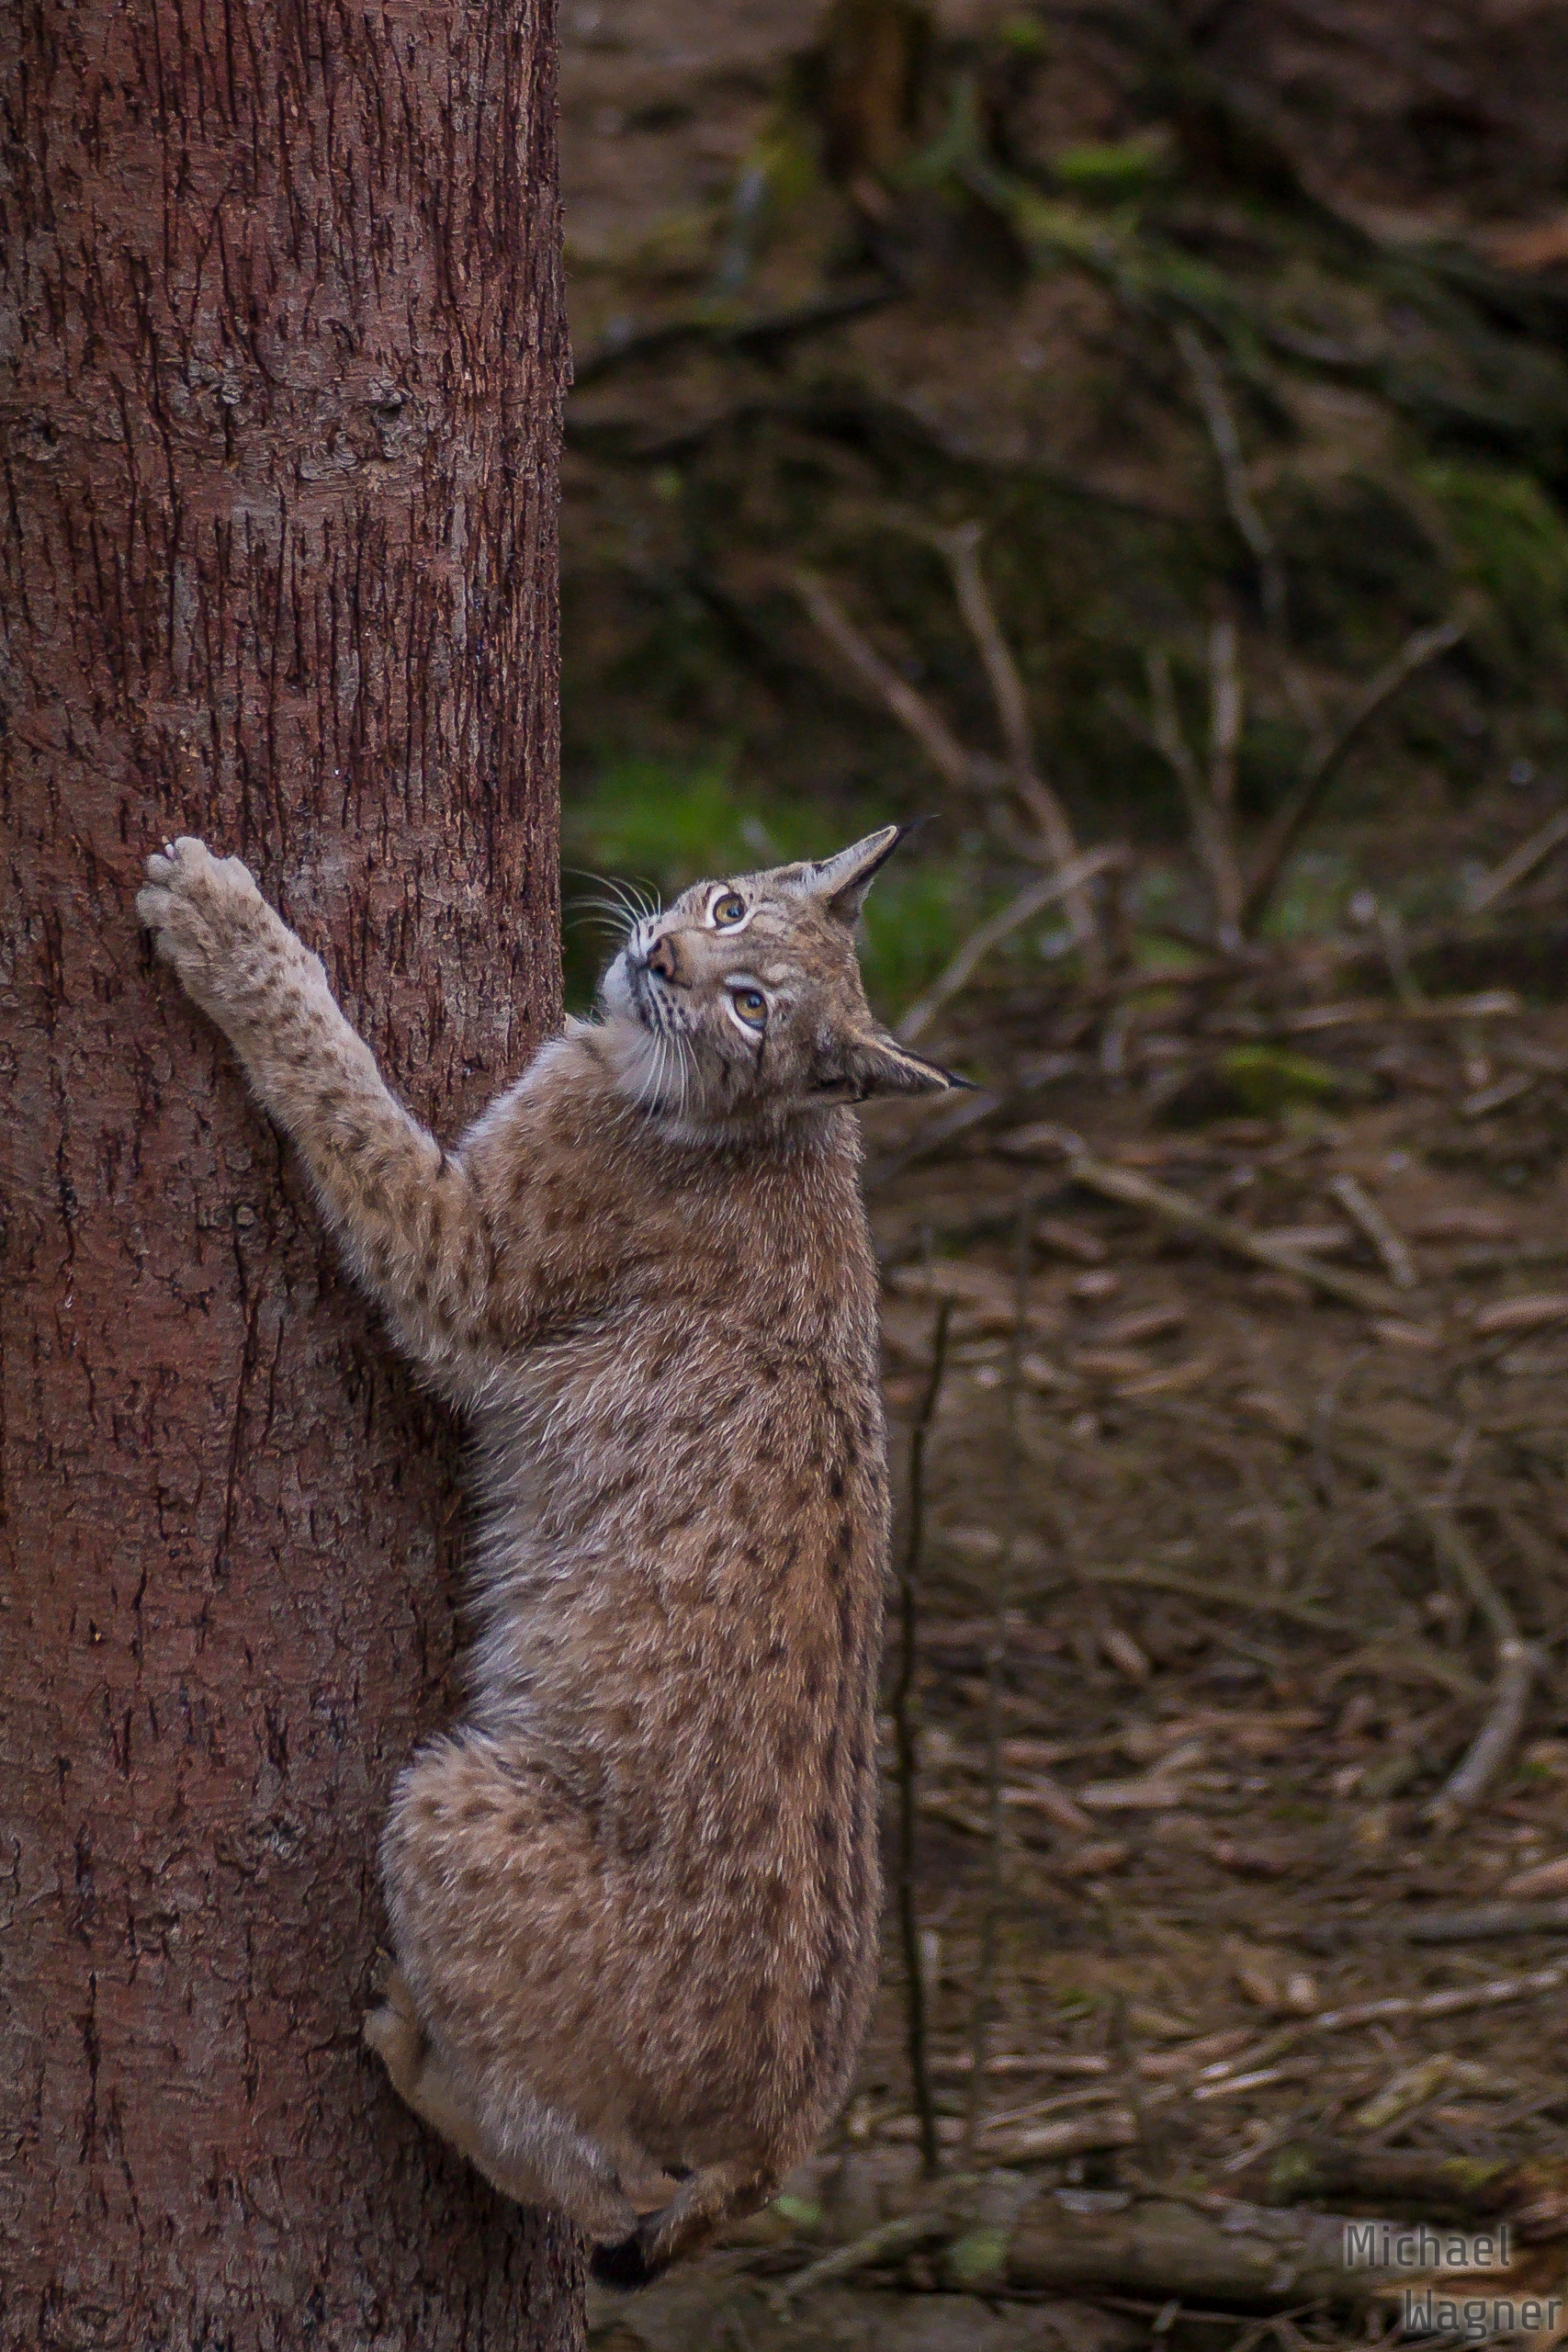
750,1004
727,909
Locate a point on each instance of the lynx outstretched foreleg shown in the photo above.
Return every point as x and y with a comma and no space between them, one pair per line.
408,1214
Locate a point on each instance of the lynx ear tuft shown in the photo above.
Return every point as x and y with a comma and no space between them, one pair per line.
841,882
871,1062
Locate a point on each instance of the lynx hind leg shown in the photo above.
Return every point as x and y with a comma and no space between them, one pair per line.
487,1877
539,2159
415,2071
703,2206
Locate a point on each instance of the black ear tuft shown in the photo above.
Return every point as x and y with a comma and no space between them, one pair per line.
841,882
872,1062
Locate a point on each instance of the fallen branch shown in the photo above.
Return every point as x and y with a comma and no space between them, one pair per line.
1482,1921
1190,1216
1455,2001
1436,2186
1032,899
1231,2251
1295,814
1235,2253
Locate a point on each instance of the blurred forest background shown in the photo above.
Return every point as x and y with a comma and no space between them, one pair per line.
1134,440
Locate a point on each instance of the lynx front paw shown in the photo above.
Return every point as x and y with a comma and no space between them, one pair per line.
203,912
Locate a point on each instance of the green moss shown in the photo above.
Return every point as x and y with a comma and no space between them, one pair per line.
1121,168
1024,35
643,820
1362,562
1512,542
803,2213
977,2261
1264,1080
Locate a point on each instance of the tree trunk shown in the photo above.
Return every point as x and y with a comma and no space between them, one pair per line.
281,321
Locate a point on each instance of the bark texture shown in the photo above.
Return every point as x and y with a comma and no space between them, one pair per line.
281,331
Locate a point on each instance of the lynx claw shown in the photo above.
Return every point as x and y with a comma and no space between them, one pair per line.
189,903
393,2030
385,1974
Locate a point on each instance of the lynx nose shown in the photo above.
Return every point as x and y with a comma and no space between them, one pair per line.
662,959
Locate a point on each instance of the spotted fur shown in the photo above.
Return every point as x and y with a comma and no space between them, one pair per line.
633,1894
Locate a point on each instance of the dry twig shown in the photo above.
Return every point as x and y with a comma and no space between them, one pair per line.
889,2242
1390,1245
1226,1596
969,771
962,550
1240,503
1291,819
905,1746
1210,799
1032,899
1521,862
1454,2001
995,1663
1490,1005
1517,1662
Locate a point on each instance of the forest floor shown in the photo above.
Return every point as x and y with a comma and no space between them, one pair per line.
1237,1544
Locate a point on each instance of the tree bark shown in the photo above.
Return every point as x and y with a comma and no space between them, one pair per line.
283,346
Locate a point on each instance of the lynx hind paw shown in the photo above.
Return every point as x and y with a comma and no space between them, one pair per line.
196,905
393,2030
646,2252
627,2263
398,2040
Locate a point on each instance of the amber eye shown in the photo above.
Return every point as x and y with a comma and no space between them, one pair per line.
750,1004
728,909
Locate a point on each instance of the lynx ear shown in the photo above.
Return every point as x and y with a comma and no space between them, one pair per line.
842,882
871,1062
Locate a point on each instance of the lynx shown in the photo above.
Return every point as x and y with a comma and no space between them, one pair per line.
633,1894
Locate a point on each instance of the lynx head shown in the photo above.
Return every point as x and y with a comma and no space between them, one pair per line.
743,999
